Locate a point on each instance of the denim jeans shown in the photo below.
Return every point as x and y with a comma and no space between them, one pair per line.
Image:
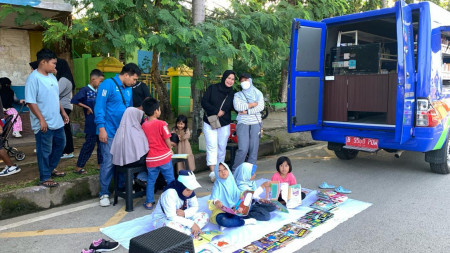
261,211
49,149
229,220
166,171
107,168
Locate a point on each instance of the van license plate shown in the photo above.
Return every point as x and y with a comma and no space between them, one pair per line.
361,142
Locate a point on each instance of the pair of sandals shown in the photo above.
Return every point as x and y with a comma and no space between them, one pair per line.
339,189
49,183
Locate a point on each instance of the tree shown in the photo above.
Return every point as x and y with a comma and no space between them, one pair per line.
198,13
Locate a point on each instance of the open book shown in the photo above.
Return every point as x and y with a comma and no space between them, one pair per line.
206,237
291,196
179,156
242,207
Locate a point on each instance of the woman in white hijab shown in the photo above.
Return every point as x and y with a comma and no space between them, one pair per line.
249,102
129,144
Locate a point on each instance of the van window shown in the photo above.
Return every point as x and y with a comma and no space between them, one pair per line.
445,52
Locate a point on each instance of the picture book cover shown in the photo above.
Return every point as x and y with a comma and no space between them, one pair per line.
294,196
323,205
242,207
222,245
295,231
206,237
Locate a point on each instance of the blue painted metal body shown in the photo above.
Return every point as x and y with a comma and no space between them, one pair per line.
425,83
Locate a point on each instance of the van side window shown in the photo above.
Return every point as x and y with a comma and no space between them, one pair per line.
445,51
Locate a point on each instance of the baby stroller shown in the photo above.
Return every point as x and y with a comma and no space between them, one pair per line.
7,124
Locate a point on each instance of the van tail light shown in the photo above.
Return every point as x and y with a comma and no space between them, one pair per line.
426,114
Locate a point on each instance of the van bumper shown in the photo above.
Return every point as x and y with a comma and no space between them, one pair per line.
424,139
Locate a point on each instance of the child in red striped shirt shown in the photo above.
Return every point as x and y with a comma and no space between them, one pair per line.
159,157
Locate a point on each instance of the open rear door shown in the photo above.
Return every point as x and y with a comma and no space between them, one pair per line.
305,89
406,76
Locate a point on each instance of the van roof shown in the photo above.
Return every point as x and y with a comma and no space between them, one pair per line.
440,16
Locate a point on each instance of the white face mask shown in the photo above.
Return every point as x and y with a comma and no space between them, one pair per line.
245,85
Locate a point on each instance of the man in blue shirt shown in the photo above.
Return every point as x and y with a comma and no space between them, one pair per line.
114,95
47,116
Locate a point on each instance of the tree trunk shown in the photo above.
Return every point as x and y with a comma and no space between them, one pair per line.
198,13
163,94
384,3
284,83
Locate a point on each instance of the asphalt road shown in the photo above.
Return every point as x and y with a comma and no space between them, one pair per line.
409,211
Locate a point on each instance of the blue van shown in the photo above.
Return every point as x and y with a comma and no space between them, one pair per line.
374,80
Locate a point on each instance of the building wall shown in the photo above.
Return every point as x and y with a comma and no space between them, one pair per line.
15,55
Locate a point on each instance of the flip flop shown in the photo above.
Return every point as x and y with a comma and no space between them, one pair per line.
341,189
56,173
325,185
49,183
80,172
148,207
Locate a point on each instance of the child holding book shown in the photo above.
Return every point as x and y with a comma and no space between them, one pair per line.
159,157
183,146
284,174
85,98
226,193
177,207
284,171
245,175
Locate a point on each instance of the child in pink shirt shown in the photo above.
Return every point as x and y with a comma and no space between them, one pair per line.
284,169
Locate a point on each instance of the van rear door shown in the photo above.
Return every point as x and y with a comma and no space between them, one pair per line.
406,76
306,75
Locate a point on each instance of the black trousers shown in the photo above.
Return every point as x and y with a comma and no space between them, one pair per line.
69,139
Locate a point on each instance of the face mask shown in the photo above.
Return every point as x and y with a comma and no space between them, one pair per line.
245,85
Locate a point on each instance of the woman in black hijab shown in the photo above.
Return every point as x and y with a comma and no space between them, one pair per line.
66,85
8,99
218,100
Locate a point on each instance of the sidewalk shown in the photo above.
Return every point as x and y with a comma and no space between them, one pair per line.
29,197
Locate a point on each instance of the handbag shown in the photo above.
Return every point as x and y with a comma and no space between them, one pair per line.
213,120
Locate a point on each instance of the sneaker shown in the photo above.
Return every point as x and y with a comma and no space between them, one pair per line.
87,251
102,245
104,200
16,134
9,170
64,156
212,176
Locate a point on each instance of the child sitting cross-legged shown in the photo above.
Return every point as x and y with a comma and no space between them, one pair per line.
226,193
177,207
245,175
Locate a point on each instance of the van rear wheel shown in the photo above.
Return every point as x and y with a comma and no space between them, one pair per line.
346,154
444,155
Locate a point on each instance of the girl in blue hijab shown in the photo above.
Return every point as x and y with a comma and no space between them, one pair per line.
245,175
226,193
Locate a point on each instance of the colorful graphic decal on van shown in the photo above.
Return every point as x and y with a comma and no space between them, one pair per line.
443,136
442,110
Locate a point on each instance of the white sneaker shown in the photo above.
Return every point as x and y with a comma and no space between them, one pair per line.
104,200
16,134
65,156
9,170
212,176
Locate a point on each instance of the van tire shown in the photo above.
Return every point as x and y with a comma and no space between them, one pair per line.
444,156
346,154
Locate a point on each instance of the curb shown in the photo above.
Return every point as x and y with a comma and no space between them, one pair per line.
38,198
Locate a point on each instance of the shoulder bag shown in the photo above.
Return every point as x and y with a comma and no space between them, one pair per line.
214,119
